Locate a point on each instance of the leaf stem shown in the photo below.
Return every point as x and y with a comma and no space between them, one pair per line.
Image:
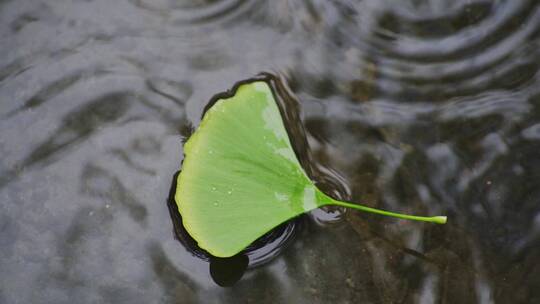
431,219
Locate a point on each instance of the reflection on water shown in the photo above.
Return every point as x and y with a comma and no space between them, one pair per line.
425,106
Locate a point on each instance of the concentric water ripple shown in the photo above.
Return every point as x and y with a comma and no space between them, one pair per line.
197,12
440,49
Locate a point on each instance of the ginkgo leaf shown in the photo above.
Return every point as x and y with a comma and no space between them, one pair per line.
240,176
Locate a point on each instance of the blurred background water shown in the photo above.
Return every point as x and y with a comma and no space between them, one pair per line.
419,106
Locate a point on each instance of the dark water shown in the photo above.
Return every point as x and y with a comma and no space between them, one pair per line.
428,107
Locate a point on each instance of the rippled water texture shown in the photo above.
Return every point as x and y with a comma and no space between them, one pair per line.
427,107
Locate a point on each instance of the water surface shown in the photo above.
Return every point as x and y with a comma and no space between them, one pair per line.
418,106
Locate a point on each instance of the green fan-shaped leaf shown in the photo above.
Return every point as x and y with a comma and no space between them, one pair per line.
240,176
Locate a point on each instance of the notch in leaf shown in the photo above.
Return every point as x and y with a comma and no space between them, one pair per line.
241,177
